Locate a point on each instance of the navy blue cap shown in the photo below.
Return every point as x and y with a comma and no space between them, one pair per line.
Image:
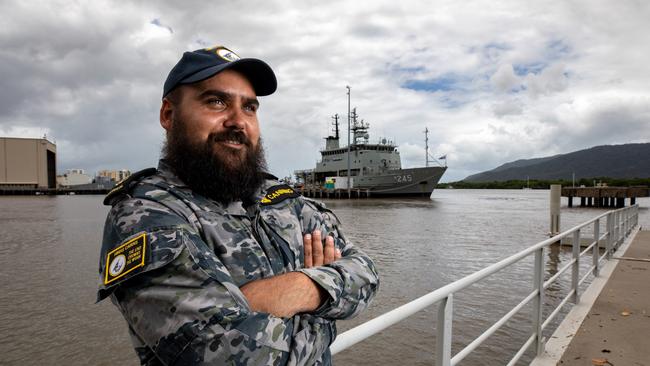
204,63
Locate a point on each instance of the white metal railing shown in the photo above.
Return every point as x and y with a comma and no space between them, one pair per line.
619,224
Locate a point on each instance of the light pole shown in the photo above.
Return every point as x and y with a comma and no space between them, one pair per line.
348,87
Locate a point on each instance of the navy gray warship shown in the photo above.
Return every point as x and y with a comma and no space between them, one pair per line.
374,167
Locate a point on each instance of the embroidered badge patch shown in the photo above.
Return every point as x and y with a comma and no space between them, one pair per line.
125,258
277,194
224,53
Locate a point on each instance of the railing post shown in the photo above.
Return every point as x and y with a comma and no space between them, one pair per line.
575,273
443,338
610,235
630,220
621,225
596,249
538,305
617,222
615,231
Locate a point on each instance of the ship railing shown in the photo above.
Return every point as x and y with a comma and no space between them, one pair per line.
619,224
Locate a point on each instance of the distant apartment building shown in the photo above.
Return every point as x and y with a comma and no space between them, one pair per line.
74,177
114,175
27,163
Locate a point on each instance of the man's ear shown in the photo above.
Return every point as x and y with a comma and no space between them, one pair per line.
166,114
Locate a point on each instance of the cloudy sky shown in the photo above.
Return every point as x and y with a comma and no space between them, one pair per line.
494,81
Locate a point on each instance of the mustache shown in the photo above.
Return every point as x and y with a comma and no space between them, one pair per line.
229,135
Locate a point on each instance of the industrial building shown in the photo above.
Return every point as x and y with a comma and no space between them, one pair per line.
27,163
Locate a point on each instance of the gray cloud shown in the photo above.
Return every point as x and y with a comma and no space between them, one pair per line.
493,83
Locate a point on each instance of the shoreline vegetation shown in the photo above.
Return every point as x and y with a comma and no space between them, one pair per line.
546,183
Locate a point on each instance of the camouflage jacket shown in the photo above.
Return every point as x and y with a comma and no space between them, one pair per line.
173,261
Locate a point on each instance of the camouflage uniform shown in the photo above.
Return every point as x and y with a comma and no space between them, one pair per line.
173,261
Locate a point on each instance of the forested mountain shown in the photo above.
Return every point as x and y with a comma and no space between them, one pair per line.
615,161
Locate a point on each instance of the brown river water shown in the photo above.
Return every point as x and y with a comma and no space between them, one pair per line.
48,274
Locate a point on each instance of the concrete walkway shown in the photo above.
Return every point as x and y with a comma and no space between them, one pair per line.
617,326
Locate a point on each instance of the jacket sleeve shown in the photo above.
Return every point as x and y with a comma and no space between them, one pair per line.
352,281
183,305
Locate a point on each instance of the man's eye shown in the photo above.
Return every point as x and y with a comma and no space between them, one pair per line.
251,108
215,101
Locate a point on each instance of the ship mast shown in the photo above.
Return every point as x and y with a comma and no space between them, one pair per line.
359,129
426,146
336,126
348,176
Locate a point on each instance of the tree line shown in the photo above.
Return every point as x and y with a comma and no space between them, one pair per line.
546,184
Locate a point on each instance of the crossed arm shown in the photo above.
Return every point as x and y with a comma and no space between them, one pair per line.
290,293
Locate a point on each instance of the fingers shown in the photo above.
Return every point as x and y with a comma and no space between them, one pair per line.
317,249
307,248
329,254
317,254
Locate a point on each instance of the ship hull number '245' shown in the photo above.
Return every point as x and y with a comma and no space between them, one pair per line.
403,178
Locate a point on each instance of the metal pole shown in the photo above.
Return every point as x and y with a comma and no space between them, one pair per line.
610,235
538,305
443,337
347,86
596,249
617,228
426,146
556,190
575,272
574,180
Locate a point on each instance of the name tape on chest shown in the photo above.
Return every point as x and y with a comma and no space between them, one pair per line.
277,194
125,258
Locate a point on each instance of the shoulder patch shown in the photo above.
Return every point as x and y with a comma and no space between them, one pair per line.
126,258
277,194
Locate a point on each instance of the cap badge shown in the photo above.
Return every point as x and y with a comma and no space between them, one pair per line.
224,53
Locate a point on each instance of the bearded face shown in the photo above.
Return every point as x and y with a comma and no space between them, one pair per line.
222,174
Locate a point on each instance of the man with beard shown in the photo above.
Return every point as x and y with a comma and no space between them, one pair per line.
211,260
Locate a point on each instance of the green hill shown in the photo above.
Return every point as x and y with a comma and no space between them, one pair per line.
614,161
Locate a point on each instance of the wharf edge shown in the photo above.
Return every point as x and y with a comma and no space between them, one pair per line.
613,314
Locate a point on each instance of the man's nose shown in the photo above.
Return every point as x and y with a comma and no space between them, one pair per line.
236,119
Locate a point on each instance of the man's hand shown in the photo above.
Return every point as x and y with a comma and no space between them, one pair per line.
291,293
315,254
